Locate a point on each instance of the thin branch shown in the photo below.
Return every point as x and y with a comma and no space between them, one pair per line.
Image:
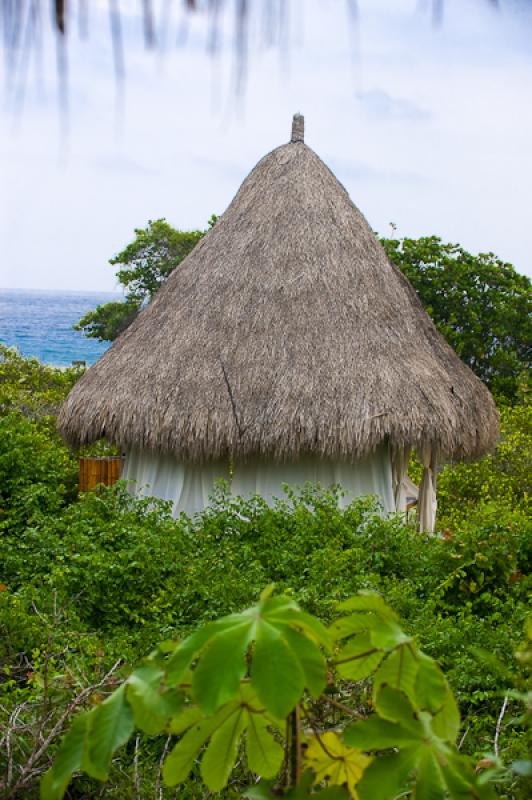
320,740
59,725
498,726
158,787
343,708
462,740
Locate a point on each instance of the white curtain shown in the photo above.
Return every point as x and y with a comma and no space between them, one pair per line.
189,486
368,476
427,503
402,485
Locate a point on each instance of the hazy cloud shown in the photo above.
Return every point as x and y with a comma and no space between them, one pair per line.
382,105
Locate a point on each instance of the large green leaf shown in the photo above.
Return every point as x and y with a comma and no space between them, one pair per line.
152,706
181,759
67,762
358,658
368,601
433,768
217,677
222,751
399,671
387,776
276,672
110,726
288,644
264,754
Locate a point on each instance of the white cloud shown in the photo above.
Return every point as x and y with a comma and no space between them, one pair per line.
429,128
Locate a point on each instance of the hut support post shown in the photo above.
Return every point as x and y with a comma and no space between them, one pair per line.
427,491
401,484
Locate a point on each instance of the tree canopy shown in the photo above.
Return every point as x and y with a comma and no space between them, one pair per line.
143,266
478,302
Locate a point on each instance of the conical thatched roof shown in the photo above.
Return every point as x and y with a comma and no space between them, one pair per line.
286,331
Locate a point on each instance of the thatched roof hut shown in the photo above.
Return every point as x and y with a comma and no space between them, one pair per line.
285,335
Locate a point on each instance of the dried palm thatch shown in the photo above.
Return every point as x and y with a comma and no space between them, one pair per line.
285,332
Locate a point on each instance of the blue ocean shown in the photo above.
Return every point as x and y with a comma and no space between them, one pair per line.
39,323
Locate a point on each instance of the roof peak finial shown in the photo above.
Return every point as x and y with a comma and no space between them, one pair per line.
298,128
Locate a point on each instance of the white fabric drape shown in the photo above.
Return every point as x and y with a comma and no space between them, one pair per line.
427,503
189,486
402,485
368,476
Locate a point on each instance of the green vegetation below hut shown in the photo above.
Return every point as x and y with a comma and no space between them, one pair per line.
90,583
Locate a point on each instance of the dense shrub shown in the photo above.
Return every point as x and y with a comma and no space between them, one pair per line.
88,581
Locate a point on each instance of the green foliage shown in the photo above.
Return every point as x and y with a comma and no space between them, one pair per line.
108,321
243,676
502,478
91,581
479,303
143,266
32,388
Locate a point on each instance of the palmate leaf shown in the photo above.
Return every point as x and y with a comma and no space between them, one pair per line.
331,760
109,726
152,706
369,601
264,754
399,671
223,731
358,658
222,751
430,766
287,644
67,762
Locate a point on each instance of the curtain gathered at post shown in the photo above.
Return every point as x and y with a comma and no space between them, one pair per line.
427,503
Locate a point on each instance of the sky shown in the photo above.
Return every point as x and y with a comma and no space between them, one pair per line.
429,127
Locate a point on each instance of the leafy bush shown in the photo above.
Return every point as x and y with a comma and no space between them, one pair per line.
503,477
260,685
